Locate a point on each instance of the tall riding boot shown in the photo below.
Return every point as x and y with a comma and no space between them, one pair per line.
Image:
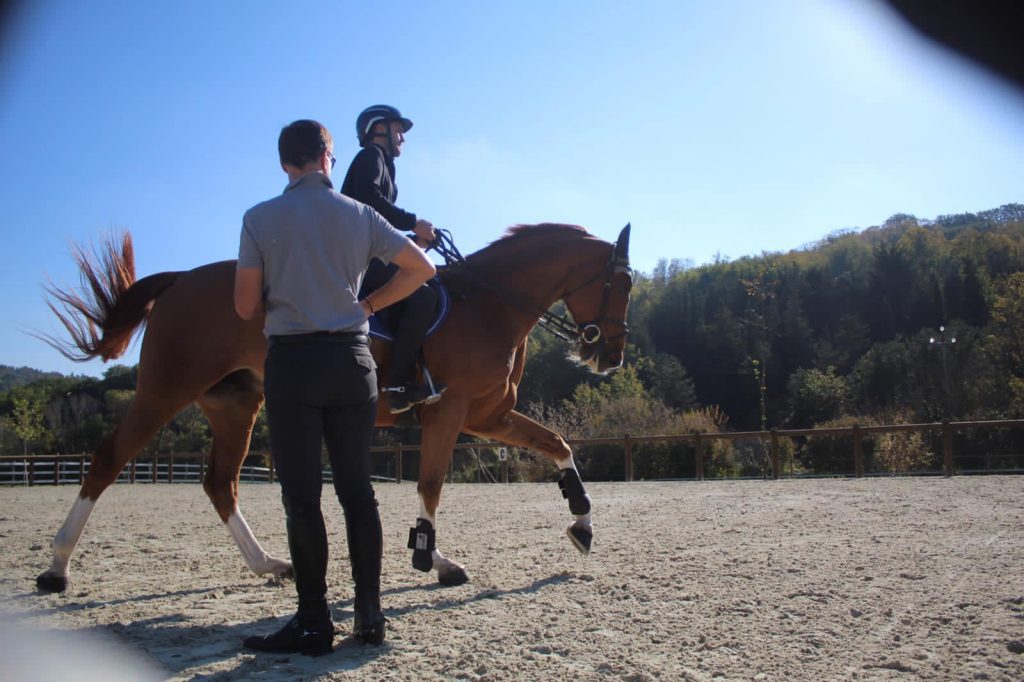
365,548
403,390
307,542
417,314
310,631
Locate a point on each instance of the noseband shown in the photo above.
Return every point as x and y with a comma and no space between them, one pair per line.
589,333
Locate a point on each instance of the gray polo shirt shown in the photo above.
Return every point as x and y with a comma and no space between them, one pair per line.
314,245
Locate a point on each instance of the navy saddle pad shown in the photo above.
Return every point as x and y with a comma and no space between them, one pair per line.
382,324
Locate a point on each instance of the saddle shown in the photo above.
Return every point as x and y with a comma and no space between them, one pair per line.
383,323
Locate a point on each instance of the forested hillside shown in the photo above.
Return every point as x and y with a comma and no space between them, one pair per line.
913,320
845,327
22,376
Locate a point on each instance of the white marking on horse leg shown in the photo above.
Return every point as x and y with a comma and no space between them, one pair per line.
424,514
443,564
67,537
256,558
570,463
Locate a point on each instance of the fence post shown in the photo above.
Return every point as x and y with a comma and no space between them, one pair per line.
858,452
271,468
155,462
947,447
81,469
627,445
398,464
131,472
56,471
698,454
170,470
31,472
776,455
504,470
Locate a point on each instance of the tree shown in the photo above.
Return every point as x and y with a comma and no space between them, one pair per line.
665,379
121,377
116,402
762,290
27,419
1007,338
552,372
816,396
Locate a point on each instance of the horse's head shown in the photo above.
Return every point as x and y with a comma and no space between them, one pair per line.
599,307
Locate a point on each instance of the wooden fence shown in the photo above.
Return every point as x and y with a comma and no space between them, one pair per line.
190,468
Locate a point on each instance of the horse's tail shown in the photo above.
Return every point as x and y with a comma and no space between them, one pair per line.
103,316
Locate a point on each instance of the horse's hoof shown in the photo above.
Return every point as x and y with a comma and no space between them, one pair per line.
283,570
581,537
48,582
453,578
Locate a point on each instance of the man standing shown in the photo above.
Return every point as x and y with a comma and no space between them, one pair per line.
301,260
371,180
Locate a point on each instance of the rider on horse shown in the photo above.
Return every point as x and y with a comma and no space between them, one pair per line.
371,180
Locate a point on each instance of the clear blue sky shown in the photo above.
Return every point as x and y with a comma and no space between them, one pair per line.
725,127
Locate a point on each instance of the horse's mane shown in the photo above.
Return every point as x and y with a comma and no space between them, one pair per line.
519,243
539,229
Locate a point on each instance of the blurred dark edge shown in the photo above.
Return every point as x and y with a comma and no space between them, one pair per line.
9,10
989,32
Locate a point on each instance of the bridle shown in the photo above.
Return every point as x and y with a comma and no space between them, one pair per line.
562,326
589,333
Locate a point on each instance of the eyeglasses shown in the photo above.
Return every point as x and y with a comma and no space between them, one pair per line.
333,160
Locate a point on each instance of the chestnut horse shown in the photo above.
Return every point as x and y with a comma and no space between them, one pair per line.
196,349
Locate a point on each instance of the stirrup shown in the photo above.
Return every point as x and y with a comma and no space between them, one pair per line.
397,407
406,396
435,394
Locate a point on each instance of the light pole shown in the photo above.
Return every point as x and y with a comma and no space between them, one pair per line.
943,343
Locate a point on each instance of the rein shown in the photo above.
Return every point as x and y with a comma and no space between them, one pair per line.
561,326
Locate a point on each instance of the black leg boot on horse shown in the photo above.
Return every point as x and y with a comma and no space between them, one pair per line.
365,548
310,631
579,533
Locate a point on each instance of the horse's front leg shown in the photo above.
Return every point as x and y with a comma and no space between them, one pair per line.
518,430
441,425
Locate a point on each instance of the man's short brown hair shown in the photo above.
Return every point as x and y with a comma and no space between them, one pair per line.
302,142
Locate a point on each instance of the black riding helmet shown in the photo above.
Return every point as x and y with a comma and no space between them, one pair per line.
376,114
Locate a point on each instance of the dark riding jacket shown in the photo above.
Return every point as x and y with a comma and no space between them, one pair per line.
371,180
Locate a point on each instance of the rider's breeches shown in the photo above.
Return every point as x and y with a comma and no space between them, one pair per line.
321,390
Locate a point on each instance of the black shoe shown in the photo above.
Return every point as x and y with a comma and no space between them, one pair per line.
404,397
293,638
370,630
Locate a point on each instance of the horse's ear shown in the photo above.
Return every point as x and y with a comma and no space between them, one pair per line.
622,245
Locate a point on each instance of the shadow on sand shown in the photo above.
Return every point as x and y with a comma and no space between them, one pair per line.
182,648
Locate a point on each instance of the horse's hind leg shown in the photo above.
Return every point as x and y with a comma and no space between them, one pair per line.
231,408
516,429
143,419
